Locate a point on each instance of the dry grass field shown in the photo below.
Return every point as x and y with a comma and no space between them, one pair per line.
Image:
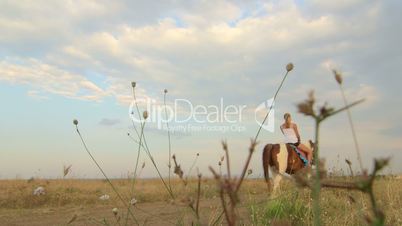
79,199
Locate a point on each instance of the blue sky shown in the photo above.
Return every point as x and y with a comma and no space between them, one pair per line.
61,60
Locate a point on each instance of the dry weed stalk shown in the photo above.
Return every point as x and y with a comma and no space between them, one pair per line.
75,121
190,200
220,164
307,108
197,207
289,67
145,146
225,148
339,79
136,163
229,186
192,166
66,170
177,170
168,132
364,184
350,167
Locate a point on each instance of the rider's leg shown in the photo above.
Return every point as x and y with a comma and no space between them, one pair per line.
308,152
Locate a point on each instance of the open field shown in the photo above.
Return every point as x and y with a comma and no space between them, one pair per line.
291,206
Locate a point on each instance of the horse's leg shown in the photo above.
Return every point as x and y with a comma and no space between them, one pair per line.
266,161
281,162
277,181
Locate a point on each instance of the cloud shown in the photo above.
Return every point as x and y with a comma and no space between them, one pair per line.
109,122
216,54
193,47
219,45
37,95
49,79
335,6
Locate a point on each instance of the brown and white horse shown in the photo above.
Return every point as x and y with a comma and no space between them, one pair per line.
281,158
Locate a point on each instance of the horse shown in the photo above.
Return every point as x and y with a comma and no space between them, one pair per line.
281,158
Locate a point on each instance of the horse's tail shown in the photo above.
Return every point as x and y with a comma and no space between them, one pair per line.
266,161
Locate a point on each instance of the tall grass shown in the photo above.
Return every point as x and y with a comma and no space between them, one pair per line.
339,207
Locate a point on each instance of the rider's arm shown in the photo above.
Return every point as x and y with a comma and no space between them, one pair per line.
281,130
297,132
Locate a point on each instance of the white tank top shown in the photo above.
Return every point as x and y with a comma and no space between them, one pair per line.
290,135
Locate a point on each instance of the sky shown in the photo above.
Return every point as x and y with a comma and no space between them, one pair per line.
65,60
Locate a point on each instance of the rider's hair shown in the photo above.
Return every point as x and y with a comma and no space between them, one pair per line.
286,116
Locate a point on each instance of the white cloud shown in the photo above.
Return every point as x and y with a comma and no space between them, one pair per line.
50,79
335,5
219,43
215,52
37,95
205,13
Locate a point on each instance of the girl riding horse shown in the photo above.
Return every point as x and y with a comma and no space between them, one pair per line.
292,136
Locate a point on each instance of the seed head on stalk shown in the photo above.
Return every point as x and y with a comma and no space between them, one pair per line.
338,77
115,211
289,67
75,122
145,114
133,201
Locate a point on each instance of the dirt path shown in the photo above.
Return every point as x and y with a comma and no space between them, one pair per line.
155,213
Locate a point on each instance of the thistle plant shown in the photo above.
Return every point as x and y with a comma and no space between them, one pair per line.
339,80
66,169
145,146
134,85
229,187
177,169
307,108
225,148
142,144
168,132
197,208
75,122
189,200
349,163
192,166
364,184
289,68
115,212
145,116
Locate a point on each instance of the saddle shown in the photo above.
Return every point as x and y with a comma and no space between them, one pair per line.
299,153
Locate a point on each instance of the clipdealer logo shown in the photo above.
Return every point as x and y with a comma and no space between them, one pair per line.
184,116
